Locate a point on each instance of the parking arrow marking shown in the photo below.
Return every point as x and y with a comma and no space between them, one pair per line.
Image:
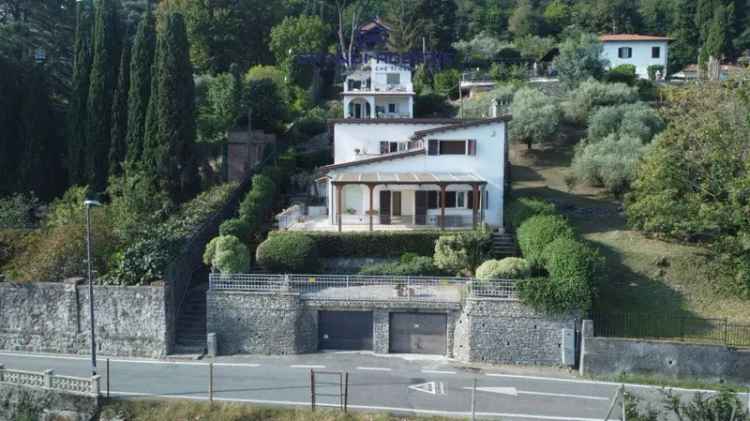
501,390
428,387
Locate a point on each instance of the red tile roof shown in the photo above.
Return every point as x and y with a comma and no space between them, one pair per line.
631,37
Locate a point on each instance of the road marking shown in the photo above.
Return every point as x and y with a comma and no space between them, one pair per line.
366,407
512,391
374,368
428,387
235,365
438,372
307,366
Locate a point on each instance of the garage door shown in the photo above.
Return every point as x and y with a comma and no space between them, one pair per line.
418,333
345,330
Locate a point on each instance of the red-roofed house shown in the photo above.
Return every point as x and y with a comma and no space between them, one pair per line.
641,51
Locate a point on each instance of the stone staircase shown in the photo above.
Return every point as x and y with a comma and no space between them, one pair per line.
504,245
191,326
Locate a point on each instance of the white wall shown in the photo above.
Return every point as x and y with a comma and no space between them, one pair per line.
488,164
367,137
641,57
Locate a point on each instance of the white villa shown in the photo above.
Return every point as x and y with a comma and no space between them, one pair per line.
641,51
407,173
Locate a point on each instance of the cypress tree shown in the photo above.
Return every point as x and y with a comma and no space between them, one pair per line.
101,90
77,115
170,123
140,86
120,113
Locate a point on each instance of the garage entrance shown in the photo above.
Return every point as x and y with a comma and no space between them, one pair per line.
419,333
345,330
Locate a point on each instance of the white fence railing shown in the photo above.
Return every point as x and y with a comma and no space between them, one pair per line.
49,380
366,287
290,216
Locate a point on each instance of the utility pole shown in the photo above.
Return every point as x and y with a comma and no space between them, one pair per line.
88,204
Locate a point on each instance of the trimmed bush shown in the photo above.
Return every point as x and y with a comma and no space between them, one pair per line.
508,268
407,266
461,253
236,227
293,252
624,73
653,69
370,244
227,254
539,231
524,208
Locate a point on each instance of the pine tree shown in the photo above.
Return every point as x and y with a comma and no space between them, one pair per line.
117,148
170,122
142,59
77,115
106,48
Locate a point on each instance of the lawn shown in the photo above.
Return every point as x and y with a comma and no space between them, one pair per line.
182,410
642,274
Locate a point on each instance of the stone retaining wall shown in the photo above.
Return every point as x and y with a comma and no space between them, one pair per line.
16,402
613,356
54,317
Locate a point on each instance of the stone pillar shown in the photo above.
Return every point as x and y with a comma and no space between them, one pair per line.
211,345
95,388
587,331
381,331
48,374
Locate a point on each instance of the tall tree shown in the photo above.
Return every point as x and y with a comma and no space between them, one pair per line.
437,18
77,115
118,147
106,49
523,21
400,18
684,48
170,123
142,59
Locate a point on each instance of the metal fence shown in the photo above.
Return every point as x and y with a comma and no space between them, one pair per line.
49,380
672,327
365,287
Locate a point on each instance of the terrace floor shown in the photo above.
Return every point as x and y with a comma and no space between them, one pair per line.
434,293
323,223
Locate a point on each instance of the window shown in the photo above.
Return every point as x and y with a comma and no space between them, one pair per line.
393,78
392,108
379,110
432,200
450,199
388,147
460,203
655,52
453,147
625,52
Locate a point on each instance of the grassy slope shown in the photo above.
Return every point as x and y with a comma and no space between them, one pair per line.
643,275
181,410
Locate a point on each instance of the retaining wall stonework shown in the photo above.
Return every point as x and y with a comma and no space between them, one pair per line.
45,404
54,317
508,332
613,356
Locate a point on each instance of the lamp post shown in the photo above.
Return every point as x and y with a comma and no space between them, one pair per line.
88,204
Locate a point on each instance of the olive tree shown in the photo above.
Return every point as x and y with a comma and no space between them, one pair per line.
536,117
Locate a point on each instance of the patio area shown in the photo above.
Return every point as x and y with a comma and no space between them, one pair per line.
324,223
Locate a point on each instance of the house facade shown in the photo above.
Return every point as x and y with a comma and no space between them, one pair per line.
379,89
641,51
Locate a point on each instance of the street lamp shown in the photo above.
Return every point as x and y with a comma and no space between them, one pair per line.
88,204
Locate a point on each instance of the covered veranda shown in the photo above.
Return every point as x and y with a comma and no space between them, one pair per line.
427,206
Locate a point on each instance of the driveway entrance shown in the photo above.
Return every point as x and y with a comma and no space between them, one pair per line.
345,330
418,333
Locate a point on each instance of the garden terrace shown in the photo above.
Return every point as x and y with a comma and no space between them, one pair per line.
367,288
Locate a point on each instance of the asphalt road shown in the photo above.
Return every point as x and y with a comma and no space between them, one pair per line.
399,384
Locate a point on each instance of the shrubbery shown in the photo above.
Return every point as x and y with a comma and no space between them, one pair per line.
462,253
536,117
539,231
18,210
592,94
523,208
370,244
409,265
624,73
446,82
508,268
227,254
291,253
253,210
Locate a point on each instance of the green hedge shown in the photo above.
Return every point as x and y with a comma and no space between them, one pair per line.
524,208
371,244
507,268
539,231
292,253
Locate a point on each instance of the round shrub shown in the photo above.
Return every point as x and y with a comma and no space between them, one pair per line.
524,208
227,254
508,268
291,252
236,227
537,232
461,253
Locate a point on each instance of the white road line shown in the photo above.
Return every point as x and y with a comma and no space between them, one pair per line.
366,407
438,372
307,366
235,365
374,368
564,395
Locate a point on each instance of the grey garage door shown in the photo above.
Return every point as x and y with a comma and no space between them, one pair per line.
345,330
418,333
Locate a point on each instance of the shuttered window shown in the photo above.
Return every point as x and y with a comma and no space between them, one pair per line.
471,147
433,147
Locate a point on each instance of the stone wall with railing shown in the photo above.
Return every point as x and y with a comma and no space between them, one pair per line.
46,395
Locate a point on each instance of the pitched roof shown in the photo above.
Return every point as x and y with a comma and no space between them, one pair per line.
379,158
631,37
462,124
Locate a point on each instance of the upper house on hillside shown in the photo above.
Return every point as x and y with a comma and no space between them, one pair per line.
641,51
379,89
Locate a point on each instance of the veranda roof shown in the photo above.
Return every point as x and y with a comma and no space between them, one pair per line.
407,178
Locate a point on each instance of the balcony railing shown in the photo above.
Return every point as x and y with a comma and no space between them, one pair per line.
49,380
366,288
451,221
380,87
